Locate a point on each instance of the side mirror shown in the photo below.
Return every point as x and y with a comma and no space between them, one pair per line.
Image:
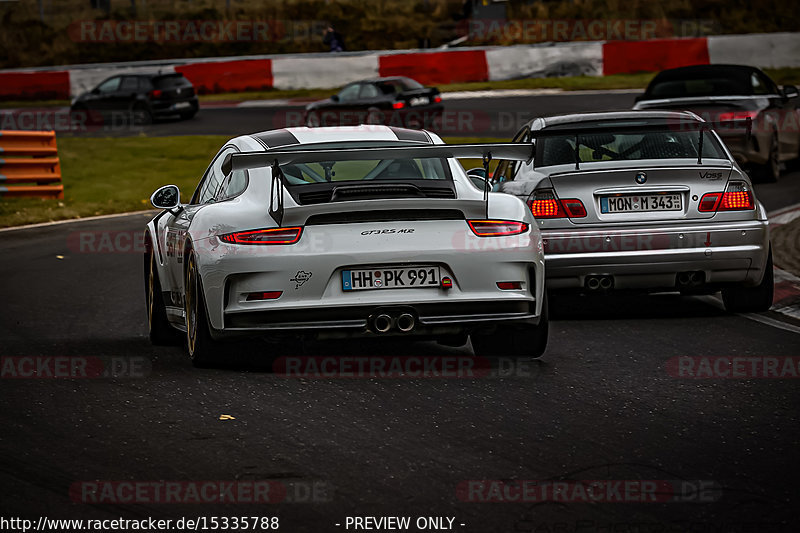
790,91
335,98
95,91
166,197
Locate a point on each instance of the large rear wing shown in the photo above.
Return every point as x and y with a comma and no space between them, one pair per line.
276,158
512,151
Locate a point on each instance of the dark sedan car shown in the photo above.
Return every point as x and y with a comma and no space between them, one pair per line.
395,101
725,93
139,97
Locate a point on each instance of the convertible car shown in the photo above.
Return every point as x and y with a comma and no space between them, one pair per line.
346,232
649,200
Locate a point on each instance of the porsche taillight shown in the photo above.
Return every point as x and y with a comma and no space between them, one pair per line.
264,236
496,228
737,197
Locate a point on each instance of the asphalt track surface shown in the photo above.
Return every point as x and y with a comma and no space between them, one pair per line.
602,404
469,117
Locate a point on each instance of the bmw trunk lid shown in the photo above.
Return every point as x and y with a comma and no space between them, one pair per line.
641,193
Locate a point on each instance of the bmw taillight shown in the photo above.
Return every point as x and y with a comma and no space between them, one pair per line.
398,105
496,228
729,116
264,236
437,99
737,197
156,94
544,204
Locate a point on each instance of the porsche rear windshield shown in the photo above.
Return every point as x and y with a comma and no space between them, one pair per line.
410,169
625,146
369,170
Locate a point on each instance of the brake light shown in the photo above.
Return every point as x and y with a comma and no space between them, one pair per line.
398,105
737,200
736,115
509,285
574,208
156,94
737,197
257,296
544,204
264,236
437,99
496,228
709,201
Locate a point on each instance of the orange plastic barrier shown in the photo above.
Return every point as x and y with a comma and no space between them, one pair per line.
29,164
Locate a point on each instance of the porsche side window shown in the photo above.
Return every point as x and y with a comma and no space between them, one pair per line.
212,180
234,185
759,87
129,83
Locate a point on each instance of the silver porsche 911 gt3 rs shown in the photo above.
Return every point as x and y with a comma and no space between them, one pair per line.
346,232
643,200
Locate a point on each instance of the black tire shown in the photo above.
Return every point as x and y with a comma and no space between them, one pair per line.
202,349
160,331
771,170
515,341
141,115
752,299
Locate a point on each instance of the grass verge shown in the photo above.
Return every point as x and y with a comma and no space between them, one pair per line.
117,175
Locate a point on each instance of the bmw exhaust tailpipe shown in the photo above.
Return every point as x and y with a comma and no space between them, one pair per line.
592,283
683,279
605,282
406,322
382,323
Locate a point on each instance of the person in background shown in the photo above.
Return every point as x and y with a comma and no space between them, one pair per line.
333,39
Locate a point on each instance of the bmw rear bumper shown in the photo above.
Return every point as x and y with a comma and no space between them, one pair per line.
733,253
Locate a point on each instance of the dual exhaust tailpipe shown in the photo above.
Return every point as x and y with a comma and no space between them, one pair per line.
599,283
383,323
693,278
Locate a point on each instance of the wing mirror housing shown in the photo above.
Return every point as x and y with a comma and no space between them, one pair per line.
790,91
166,197
335,98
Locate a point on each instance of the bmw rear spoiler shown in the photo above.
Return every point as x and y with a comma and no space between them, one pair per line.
276,158
576,129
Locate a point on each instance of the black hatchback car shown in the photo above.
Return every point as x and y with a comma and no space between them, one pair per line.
392,101
141,98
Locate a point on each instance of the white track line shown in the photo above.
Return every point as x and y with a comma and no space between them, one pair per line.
84,219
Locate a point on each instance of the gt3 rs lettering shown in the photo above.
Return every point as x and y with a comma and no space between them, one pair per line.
387,231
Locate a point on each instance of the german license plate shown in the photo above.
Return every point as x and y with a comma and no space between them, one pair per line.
419,100
637,203
391,278
182,105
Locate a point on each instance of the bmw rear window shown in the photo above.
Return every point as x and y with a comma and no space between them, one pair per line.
625,146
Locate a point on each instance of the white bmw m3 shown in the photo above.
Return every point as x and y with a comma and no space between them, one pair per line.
343,233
